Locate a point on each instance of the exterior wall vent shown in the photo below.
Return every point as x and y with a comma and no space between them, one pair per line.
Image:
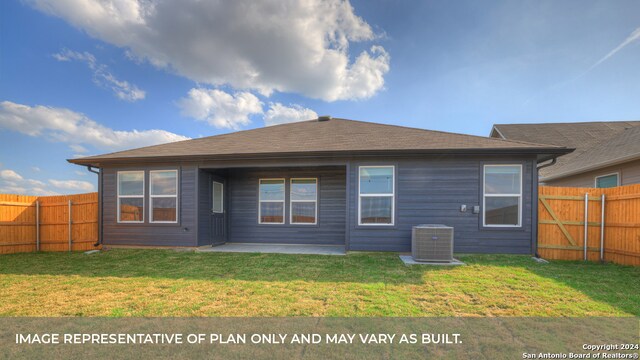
432,242
324,118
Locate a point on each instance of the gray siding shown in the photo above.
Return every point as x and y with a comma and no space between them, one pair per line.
430,191
147,234
243,207
629,173
204,208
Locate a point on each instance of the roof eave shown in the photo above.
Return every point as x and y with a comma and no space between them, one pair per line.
543,154
592,167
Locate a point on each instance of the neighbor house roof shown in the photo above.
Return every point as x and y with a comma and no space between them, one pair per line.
597,144
330,137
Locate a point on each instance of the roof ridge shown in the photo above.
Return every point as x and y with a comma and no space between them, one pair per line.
452,133
573,122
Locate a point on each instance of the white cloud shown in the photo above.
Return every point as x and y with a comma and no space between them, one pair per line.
220,109
35,168
78,148
13,183
64,125
80,173
102,77
280,114
10,175
287,46
74,185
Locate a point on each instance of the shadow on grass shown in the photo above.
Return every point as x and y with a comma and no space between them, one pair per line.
168,264
611,284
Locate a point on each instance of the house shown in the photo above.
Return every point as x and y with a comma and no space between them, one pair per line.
325,181
607,153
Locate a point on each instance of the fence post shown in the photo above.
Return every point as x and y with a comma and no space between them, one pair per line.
37,225
602,231
586,224
69,225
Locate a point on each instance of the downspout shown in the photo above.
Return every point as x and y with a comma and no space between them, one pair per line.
540,166
99,173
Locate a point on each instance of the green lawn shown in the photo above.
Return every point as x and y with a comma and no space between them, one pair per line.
170,283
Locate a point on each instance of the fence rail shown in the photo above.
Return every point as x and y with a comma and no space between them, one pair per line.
48,223
566,224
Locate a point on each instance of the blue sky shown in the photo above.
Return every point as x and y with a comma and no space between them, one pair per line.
86,79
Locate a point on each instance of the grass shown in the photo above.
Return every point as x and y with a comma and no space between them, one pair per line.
167,283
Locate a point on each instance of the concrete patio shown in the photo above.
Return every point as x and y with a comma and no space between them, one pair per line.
276,249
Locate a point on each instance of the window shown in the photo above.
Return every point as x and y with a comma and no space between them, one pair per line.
502,195
303,195
131,196
163,194
376,198
271,199
218,198
607,181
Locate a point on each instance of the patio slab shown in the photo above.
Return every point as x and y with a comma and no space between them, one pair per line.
408,260
276,249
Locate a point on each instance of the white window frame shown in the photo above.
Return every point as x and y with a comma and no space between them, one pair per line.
283,201
485,195
291,201
151,197
144,207
392,195
595,180
213,197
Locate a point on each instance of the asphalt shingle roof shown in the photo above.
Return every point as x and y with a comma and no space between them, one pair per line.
313,136
597,144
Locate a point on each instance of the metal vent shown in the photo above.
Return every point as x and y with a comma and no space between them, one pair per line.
432,242
324,118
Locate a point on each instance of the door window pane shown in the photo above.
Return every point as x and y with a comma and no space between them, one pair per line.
376,180
376,210
218,197
164,209
502,210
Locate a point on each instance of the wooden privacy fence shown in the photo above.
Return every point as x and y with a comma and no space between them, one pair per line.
562,230
48,223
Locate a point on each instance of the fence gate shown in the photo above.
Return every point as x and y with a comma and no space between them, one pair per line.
607,221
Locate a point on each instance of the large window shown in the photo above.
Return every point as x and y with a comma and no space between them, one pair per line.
607,181
376,200
304,201
131,196
163,193
271,199
502,195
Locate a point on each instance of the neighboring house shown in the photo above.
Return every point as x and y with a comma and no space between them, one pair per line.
325,181
607,153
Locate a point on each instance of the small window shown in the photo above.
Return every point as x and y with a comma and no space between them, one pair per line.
131,196
607,181
304,201
271,199
218,197
502,195
163,194
376,195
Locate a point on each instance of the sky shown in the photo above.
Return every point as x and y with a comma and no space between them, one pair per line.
82,77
